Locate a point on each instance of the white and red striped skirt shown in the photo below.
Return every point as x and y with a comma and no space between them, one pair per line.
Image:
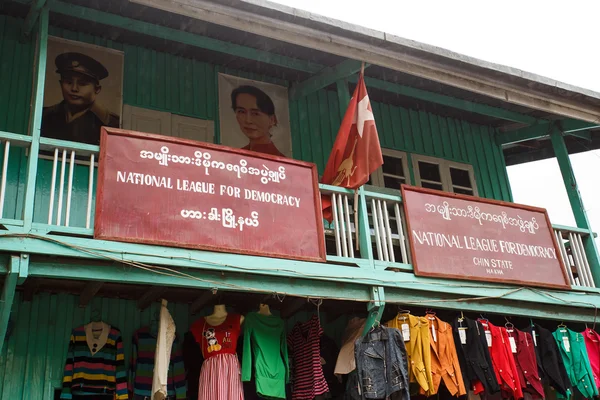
220,378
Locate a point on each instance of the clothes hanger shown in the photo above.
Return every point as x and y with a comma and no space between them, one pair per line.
509,326
562,327
430,314
402,311
317,302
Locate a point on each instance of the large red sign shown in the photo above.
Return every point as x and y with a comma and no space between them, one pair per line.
465,237
168,191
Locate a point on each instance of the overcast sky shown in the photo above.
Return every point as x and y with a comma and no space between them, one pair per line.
554,38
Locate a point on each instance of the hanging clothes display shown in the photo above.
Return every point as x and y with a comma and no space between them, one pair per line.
551,367
526,363
162,358
304,347
265,356
474,356
220,374
346,362
142,366
416,336
574,354
381,364
329,352
592,344
95,363
502,360
444,360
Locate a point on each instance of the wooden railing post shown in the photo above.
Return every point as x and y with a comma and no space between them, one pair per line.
581,219
35,121
364,229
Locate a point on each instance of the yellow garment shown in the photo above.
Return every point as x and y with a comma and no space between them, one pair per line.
418,349
444,360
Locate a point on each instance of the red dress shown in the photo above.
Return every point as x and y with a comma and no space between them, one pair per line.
220,377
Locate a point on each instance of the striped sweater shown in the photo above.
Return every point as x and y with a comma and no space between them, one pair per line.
142,366
101,373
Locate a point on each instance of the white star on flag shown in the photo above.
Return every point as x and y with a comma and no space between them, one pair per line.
362,115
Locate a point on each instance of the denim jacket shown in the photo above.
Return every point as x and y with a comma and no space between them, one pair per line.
381,364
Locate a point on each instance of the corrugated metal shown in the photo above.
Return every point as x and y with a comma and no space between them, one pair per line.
32,360
315,120
16,73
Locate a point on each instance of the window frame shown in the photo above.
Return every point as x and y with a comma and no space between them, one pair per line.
445,176
377,177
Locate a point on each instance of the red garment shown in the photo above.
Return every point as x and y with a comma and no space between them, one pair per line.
220,339
304,345
503,362
592,344
526,363
268,148
356,152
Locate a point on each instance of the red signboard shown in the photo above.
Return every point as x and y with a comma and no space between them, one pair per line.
173,192
465,237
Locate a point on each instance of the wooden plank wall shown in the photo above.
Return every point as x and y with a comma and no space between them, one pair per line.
188,87
315,120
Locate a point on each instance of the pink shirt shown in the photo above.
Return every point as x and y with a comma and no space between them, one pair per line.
592,344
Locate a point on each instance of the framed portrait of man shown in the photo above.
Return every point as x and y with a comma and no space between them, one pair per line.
83,91
254,116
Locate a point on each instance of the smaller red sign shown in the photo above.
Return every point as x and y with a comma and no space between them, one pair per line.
466,237
162,190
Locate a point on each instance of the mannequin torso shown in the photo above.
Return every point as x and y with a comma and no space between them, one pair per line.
219,315
263,309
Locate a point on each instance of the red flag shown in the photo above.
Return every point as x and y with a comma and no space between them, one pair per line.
356,152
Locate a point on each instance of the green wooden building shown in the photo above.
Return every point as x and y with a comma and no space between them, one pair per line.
445,121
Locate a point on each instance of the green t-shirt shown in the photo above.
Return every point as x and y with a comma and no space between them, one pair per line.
265,354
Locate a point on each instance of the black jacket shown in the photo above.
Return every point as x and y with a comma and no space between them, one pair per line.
550,365
381,364
474,356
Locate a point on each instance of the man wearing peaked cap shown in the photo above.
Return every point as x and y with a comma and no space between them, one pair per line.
78,117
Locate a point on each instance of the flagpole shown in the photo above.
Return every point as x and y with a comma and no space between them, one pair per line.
357,236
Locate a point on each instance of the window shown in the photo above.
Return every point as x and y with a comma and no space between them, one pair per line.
450,176
393,172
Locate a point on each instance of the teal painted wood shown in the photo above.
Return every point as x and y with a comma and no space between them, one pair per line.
32,362
566,169
7,296
16,70
36,117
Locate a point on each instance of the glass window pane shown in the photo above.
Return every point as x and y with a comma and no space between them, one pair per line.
429,171
460,177
463,191
392,183
431,185
393,165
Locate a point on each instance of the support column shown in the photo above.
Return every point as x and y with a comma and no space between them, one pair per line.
35,121
581,219
375,307
8,295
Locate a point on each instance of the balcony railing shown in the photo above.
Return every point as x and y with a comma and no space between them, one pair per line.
65,198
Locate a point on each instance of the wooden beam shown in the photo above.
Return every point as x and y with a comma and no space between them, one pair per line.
7,296
343,93
543,129
151,296
448,101
325,78
89,291
32,16
174,35
201,302
291,306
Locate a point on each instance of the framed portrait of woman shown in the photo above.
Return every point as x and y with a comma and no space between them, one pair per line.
254,116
